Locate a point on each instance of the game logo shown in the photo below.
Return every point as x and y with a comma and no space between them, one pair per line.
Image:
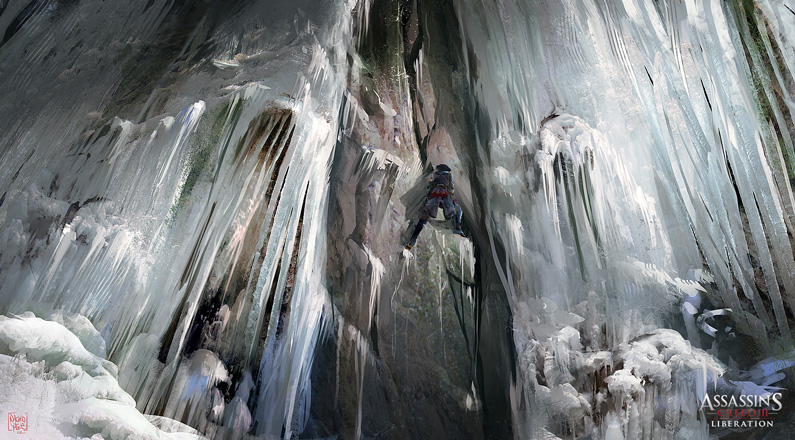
742,411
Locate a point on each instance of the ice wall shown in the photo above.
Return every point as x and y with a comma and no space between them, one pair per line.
170,183
631,141
222,187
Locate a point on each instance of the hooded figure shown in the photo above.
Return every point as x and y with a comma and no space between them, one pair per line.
440,192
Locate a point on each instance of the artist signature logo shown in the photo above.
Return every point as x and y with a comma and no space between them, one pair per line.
18,423
743,411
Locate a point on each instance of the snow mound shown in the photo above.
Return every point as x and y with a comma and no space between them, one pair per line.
67,391
83,329
48,341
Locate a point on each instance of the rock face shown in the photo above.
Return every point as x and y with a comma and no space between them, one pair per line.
424,334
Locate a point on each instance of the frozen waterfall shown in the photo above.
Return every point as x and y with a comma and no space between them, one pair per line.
204,206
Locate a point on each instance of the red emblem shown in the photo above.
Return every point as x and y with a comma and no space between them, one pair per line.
18,423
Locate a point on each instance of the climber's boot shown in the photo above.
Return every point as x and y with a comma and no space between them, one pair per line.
415,234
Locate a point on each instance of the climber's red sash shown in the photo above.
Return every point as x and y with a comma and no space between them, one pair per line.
439,193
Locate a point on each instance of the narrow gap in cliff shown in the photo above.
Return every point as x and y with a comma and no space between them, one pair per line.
284,313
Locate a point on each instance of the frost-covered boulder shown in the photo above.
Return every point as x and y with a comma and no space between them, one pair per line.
194,384
606,392
48,341
81,327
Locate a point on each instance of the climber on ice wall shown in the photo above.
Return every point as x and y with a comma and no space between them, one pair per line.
440,192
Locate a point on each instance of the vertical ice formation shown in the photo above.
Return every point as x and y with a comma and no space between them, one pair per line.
190,228
221,188
637,141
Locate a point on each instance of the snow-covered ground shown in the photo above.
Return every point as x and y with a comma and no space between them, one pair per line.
51,372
